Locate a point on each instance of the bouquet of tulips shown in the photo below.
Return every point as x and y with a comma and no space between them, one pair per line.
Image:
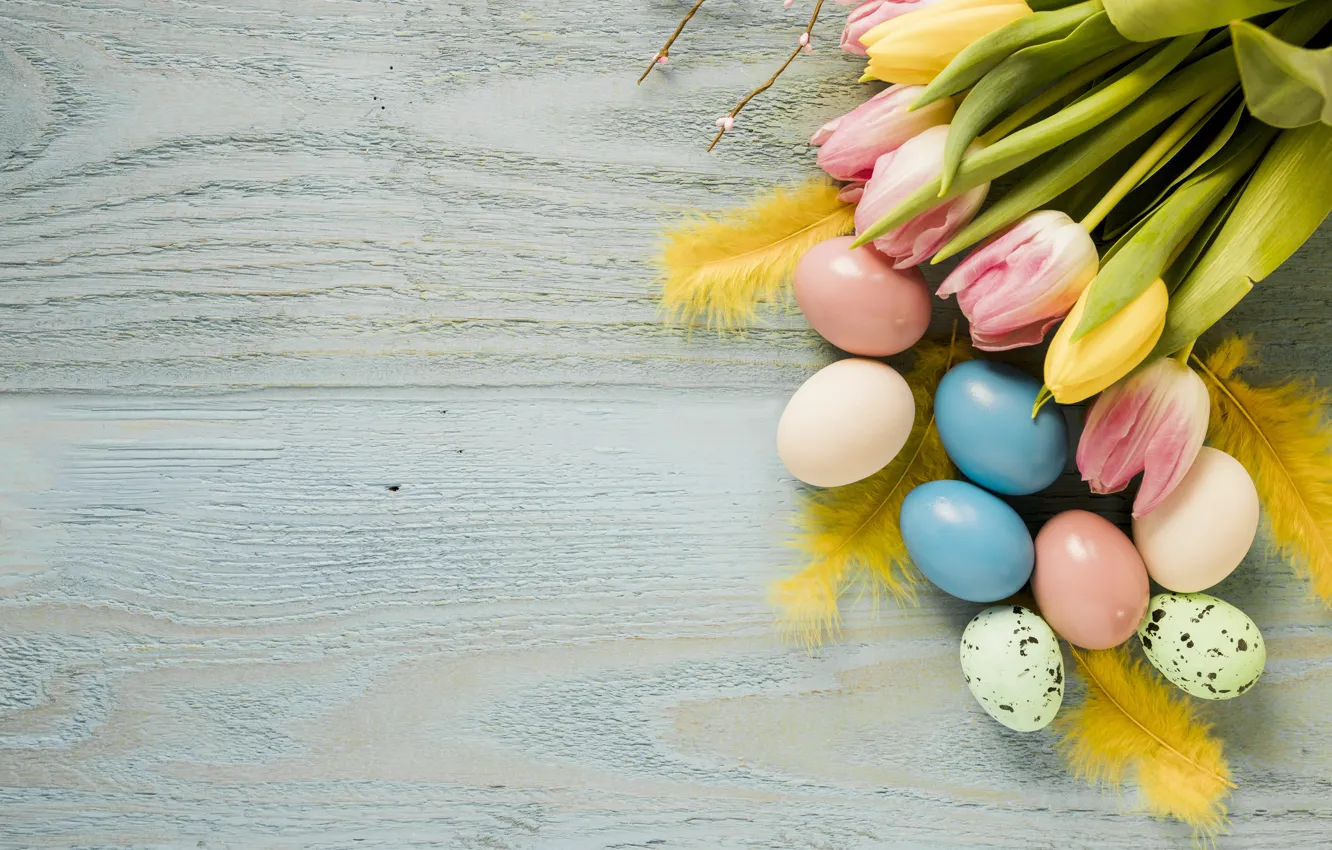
1123,173
1139,126
1161,156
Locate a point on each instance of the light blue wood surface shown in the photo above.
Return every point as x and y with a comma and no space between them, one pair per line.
352,493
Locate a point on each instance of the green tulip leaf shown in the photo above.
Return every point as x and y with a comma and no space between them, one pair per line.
1029,143
1285,201
1065,167
1203,239
1284,85
1213,147
1023,75
982,55
1080,200
1070,164
1149,193
1145,254
1148,20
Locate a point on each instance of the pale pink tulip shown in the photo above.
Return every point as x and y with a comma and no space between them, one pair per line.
852,142
896,176
867,16
1017,287
1153,422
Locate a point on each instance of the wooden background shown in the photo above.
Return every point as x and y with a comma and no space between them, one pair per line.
352,493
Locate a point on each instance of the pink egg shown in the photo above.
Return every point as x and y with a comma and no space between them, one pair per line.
1089,582
857,301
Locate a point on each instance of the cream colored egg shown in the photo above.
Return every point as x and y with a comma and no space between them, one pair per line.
848,421
1202,530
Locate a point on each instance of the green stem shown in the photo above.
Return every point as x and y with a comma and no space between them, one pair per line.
1162,146
1041,398
1053,95
1183,354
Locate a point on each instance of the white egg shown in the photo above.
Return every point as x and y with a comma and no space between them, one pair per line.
1013,666
845,423
1204,528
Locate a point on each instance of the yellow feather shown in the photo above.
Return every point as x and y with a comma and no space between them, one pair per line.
721,268
1282,437
853,529
1131,722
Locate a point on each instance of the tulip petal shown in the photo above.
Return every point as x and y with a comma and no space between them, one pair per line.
1152,423
906,48
1078,369
898,173
1014,289
878,126
869,15
1022,337
825,132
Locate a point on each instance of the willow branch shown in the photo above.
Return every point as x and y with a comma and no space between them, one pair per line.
809,28
666,48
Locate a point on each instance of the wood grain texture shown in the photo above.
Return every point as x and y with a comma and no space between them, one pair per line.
353,495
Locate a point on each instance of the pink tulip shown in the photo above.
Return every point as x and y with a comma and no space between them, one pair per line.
1017,287
1152,422
852,143
896,175
867,16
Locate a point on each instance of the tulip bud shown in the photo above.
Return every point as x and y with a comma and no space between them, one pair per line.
1077,370
867,16
1153,422
852,143
913,48
1017,287
896,175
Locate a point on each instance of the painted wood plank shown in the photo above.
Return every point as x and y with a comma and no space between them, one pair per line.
354,494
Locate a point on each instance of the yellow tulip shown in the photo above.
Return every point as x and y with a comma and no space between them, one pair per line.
913,48
1079,370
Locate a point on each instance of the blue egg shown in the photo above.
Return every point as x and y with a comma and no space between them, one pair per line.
967,541
983,411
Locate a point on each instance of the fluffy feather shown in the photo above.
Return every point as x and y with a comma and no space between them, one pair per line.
853,529
1130,722
1282,437
719,269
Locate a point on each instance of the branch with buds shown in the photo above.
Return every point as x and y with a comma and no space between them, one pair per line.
665,52
727,121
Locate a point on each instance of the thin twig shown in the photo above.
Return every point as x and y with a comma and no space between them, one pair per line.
666,48
756,92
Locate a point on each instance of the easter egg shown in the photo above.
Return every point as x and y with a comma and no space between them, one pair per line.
857,301
1090,583
1201,532
983,411
1013,667
1206,646
845,423
965,540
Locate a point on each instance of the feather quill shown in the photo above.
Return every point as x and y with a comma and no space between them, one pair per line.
1282,437
720,268
1131,722
852,531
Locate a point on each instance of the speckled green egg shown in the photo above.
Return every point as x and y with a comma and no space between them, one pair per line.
1013,666
1206,646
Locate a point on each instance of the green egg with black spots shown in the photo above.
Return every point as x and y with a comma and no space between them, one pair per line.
1013,667
1204,645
